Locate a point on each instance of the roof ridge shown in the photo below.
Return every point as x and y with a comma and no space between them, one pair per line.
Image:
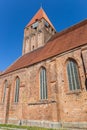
69,29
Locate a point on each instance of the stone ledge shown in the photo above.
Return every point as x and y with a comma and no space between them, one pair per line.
42,102
77,92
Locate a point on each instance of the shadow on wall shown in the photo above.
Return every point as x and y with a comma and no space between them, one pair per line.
86,83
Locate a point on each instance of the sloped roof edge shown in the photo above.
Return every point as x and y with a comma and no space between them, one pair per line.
39,15
51,49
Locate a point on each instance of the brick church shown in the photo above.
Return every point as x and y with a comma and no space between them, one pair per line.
47,85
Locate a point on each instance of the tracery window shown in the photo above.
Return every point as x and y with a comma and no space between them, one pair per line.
43,83
73,75
17,89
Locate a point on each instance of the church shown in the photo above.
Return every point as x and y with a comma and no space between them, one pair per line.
47,85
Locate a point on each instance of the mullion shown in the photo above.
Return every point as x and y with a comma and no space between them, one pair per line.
73,75
77,76
71,80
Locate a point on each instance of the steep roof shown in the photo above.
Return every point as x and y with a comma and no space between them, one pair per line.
39,15
66,40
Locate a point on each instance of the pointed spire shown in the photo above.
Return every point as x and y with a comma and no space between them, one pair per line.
39,15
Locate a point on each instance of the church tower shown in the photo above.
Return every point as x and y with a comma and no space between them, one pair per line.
37,32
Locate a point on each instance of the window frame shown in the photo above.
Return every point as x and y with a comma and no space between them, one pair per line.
74,81
43,84
35,25
17,87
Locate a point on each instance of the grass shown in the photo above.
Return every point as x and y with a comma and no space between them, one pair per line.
11,127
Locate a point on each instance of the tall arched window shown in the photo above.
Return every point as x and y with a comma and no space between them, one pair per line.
4,92
43,83
17,89
73,75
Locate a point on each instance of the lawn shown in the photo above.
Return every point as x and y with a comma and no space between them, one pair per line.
16,127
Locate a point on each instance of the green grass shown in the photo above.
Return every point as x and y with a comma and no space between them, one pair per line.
9,126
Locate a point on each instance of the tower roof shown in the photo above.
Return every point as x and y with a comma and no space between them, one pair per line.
39,15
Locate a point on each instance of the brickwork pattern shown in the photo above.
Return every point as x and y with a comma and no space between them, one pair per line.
62,104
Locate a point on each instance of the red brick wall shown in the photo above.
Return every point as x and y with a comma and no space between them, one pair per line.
62,104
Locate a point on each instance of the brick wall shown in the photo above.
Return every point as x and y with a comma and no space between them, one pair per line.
62,104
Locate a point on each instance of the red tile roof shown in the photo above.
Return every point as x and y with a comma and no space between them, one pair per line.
66,40
39,15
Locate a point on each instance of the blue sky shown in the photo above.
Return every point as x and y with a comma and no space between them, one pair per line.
15,14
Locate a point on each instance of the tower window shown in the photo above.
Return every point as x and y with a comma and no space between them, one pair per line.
46,23
52,29
73,75
36,20
33,47
43,83
35,25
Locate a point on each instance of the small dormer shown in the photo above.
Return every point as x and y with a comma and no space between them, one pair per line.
37,32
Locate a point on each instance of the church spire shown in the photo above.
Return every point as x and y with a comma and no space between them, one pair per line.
39,15
37,32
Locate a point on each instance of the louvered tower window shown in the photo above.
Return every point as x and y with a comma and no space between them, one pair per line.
43,83
35,25
17,89
73,75
4,92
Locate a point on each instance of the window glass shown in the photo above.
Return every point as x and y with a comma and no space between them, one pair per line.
43,84
73,75
17,89
35,25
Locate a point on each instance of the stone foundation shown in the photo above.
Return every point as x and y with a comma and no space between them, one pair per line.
45,124
49,124
77,125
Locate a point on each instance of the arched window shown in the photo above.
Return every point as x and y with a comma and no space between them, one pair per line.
4,92
73,75
17,89
43,83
